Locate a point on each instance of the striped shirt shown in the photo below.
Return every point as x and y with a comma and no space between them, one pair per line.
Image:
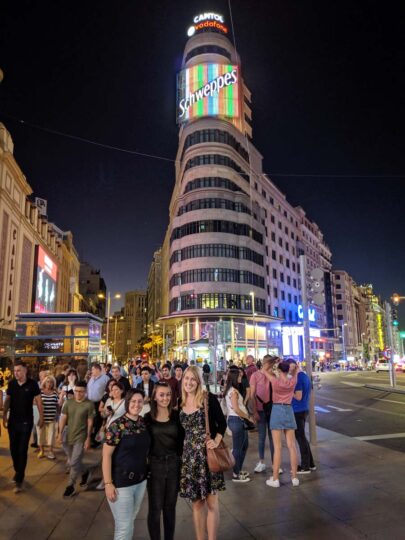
50,404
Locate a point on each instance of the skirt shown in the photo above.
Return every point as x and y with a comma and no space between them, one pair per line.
282,417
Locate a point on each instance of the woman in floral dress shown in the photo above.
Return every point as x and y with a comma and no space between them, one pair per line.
197,483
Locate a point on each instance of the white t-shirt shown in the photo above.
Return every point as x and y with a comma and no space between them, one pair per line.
228,399
118,410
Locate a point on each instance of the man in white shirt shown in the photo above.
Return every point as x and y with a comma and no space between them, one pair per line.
96,387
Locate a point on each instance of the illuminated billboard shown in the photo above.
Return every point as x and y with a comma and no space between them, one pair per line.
45,283
208,90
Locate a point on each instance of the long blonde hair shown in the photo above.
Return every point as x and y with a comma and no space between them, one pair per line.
199,393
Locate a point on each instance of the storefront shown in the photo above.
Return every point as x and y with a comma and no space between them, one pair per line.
232,338
45,340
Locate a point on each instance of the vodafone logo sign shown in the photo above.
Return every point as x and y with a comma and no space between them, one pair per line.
207,21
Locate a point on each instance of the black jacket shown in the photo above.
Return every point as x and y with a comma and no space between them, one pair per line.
216,418
151,386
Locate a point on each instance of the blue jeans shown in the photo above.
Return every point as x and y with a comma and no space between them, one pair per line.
263,427
240,441
125,510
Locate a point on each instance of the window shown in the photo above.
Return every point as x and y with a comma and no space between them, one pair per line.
287,263
215,135
275,311
295,300
338,286
280,226
289,297
281,277
199,275
273,236
283,313
207,49
282,295
273,255
256,186
229,227
340,317
288,280
272,219
293,266
339,306
275,292
338,297
217,301
294,283
216,159
281,259
201,204
212,181
274,273
280,242
216,250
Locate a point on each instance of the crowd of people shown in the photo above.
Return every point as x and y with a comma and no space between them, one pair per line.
156,426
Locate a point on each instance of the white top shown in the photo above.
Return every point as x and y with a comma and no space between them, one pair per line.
228,399
118,410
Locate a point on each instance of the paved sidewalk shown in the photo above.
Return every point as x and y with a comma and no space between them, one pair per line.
357,492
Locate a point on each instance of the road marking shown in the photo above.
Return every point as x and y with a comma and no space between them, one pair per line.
368,408
355,384
339,409
381,437
389,400
321,409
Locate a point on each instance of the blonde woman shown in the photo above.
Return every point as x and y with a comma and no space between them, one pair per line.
46,433
197,483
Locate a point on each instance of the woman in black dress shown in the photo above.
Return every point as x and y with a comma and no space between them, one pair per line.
197,483
164,461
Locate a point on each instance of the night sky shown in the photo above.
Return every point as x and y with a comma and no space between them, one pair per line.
327,83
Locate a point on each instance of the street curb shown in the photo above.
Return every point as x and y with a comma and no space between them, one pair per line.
389,389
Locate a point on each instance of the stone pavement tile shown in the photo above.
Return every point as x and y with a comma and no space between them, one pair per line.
380,526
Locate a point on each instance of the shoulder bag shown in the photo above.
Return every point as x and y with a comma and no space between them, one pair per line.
220,458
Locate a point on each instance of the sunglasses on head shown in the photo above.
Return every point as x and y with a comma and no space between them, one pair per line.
162,383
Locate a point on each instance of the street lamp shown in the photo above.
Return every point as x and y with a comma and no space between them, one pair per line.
102,296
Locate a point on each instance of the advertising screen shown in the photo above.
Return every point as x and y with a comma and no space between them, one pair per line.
45,283
207,90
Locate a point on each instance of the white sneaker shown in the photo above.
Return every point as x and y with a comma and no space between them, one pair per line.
295,482
241,479
280,471
260,467
273,483
244,473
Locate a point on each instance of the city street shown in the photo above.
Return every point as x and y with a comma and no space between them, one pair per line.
344,405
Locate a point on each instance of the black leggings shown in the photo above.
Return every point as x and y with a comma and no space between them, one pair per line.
163,487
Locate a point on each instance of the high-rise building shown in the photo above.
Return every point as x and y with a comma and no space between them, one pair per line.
93,290
231,251
154,291
38,261
135,318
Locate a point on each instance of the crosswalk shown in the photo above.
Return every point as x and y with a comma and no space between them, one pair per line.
325,410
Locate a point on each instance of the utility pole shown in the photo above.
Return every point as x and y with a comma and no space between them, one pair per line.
307,346
393,375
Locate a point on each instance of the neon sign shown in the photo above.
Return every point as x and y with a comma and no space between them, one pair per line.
207,90
311,313
207,21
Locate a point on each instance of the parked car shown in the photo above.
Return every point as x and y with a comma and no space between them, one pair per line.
382,365
400,366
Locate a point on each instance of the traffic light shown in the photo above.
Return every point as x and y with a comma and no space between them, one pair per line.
395,299
394,317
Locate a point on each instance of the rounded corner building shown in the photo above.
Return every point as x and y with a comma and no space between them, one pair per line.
216,295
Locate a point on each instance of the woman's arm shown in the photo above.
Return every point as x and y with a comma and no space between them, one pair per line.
235,405
110,489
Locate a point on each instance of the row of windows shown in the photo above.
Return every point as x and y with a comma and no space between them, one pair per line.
212,182
216,159
216,225
215,135
217,274
288,279
200,204
207,49
216,301
216,250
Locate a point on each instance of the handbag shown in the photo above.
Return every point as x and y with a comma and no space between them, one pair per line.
219,459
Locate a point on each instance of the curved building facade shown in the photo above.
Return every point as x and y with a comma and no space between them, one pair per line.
215,244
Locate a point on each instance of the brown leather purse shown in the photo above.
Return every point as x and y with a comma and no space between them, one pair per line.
219,459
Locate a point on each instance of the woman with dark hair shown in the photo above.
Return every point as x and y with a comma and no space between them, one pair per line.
164,461
237,413
197,483
125,458
282,417
66,388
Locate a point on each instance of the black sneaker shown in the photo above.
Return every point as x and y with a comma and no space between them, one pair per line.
34,445
70,491
301,470
86,479
313,468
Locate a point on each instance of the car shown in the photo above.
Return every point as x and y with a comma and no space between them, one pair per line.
382,365
400,365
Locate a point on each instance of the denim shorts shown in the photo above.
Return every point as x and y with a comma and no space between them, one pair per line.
282,417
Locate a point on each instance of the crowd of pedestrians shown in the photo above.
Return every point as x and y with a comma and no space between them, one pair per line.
156,425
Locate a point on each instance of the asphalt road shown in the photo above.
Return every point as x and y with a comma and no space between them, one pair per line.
344,405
